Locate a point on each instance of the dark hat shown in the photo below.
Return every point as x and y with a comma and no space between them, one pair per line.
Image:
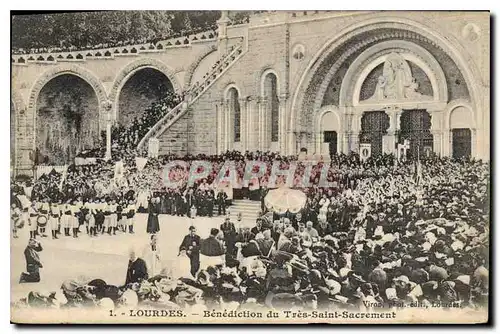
437,273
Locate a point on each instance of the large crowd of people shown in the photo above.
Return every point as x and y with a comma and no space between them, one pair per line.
378,235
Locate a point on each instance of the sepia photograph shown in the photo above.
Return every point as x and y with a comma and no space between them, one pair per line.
250,167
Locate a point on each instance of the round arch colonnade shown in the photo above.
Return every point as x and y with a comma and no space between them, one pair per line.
25,119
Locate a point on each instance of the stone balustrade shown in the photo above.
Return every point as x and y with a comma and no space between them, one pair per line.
111,52
192,95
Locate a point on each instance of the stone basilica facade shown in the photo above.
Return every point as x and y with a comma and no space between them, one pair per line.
286,81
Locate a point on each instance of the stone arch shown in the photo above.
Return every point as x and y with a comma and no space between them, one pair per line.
18,111
232,116
449,45
262,80
373,56
48,75
228,87
270,94
452,106
194,65
76,70
130,69
318,126
471,124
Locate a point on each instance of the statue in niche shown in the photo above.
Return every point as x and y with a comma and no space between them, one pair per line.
397,81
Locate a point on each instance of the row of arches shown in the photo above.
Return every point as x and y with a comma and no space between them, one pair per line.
414,125
265,126
69,112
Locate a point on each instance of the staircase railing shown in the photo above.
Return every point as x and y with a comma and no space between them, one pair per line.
192,96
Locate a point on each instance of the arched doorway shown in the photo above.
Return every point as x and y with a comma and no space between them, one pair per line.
143,88
461,134
374,125
67,120
342,70
415,127
329,129
272,121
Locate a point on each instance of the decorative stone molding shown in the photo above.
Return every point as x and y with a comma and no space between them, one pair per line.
456,104
125,73
194,65
18,101
407,27
471,32
261,79
298,52
225,95
178,70
373,56
106,105
73,69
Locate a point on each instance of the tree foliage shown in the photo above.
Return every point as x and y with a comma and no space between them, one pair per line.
84,29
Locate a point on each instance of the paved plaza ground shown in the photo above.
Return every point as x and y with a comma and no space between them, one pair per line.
104,256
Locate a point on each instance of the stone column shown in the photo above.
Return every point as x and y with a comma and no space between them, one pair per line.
243,124
253,118
228,126
437,131
318,140
283,100
106,111
437,142
473,141
354,129
220,126
263,124
222,24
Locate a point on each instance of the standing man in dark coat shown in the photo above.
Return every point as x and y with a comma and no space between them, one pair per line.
153,209
263,194
221,202
33,263
191,245
190,201
229,236
137,270
210,203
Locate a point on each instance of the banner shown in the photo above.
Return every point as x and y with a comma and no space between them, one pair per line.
388,144
119,170
154,148
140,163
365,151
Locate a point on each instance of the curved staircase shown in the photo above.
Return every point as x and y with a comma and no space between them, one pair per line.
195,92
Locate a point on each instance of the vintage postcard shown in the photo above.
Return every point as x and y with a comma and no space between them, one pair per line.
267,167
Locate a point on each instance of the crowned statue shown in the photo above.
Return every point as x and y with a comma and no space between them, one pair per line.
397,81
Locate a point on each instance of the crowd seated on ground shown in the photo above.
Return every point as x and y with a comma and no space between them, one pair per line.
381,236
